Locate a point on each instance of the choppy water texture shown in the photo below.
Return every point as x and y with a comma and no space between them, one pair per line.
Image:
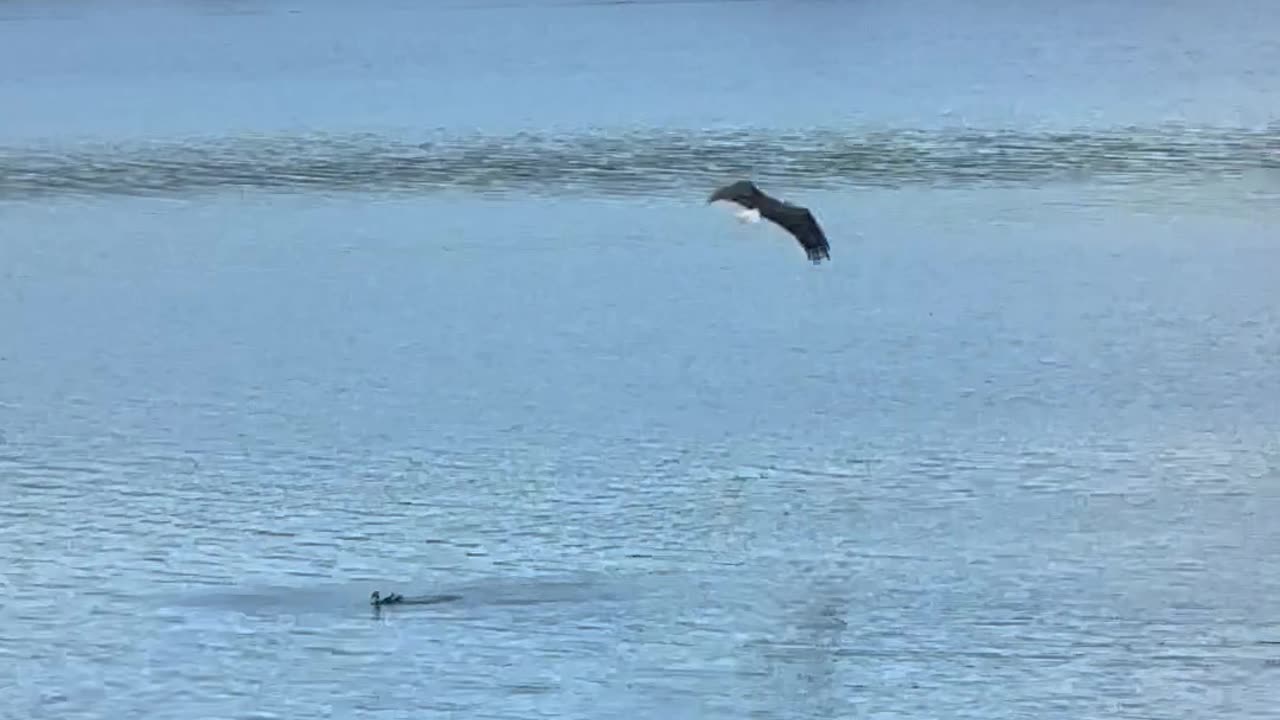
300,302
640,163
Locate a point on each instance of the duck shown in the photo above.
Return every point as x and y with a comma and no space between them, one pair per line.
377,600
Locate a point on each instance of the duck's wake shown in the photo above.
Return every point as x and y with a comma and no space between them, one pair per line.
376,600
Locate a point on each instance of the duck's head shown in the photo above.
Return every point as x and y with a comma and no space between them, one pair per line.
374,598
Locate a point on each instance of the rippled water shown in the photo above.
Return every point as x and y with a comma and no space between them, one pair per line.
303,302
639,162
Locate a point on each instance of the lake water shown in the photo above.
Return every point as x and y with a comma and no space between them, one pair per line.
304,300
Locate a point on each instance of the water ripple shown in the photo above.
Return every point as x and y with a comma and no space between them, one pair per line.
633,162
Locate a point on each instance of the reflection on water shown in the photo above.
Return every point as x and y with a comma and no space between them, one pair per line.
634,162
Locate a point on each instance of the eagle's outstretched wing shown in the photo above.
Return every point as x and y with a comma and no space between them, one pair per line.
800,222
742,192
794,219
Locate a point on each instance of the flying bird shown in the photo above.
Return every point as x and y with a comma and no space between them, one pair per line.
794,219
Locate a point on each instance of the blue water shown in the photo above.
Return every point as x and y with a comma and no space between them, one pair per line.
301,301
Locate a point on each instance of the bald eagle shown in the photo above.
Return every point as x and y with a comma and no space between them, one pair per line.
794,219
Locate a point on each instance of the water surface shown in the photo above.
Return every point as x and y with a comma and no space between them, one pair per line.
302,301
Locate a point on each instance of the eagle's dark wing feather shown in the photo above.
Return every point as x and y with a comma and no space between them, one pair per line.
799,222
742,192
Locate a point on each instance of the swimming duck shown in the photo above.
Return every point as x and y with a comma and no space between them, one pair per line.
376,599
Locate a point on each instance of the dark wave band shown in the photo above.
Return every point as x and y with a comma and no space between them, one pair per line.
632,163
